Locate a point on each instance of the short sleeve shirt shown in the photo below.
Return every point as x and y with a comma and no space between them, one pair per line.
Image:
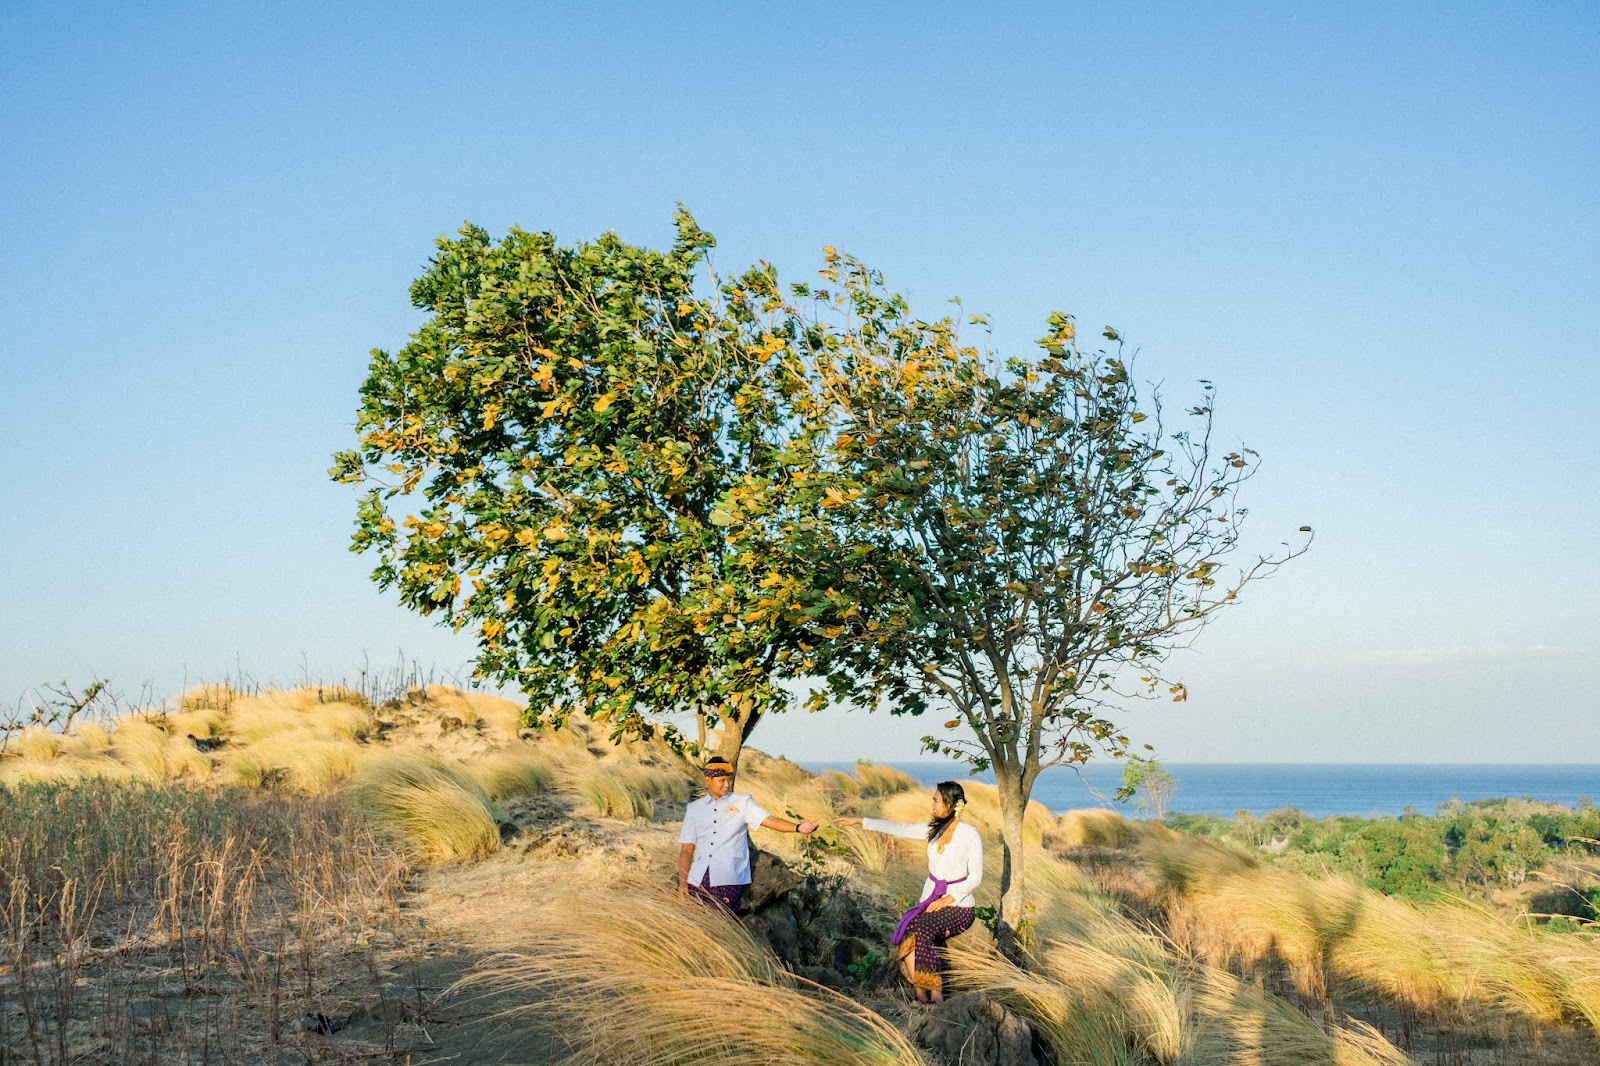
720,833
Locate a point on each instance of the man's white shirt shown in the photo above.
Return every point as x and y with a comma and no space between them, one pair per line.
720,833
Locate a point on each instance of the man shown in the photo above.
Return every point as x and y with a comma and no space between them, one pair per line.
714,847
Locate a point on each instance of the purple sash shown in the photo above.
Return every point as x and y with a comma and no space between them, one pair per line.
909,916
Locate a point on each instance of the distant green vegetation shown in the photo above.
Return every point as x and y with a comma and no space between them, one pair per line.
1463,849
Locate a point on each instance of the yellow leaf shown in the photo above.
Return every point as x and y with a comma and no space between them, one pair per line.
604,402
952,723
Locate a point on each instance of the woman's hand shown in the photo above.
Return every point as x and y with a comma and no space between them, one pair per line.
850,823
941,903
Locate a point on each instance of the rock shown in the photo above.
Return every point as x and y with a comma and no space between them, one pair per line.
973,1029
822,975
777,926
769,879
850,950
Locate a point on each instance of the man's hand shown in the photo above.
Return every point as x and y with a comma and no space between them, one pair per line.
807,826
683,890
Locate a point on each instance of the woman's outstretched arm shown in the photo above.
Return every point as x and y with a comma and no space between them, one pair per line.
908,830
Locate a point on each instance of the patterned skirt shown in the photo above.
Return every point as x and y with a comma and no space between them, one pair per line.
725,896
925,940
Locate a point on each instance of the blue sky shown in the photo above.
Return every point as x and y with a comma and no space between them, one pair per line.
1375,227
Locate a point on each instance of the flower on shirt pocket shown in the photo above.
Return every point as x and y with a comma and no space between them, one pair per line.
731,810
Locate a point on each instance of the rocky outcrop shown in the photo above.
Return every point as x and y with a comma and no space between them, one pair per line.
808,922
973,1030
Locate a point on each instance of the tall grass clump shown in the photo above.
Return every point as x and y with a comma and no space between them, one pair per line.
624,788
1116,1001
633,980
876,779
141,743
436,812
475,708
1094,827
514,772
1242,1024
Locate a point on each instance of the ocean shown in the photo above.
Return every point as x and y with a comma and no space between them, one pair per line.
1318,789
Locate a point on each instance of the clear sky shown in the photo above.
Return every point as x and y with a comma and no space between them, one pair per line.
1375,226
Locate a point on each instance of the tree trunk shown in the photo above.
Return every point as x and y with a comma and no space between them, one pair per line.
736,729
1013,804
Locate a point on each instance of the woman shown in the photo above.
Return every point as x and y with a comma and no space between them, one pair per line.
955,868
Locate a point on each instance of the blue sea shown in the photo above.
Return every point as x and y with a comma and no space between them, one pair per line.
1318,789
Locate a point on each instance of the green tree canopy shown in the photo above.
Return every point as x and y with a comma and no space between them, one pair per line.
1022,540
556,461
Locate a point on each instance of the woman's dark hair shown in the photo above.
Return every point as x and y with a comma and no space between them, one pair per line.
952,793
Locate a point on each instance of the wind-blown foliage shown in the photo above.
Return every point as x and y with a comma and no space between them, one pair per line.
553,462
1021,542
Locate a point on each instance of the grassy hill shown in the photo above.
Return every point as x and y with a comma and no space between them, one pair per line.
299,876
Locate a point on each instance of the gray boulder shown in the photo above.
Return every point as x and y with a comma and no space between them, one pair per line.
973,1030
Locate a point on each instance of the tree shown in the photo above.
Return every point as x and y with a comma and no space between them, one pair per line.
1148,782
1023,542
556,458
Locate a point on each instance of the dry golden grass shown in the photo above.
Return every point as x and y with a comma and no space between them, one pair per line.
64,770
199,722
622,788
1241,1024
513,772
253,718
305,761
207,698
153,754
1094,826
1188,864
346,721
496,712
37,744
620,996
1450,959
1078,1030
1263,915
437,813
875,779
91,736
1115,998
